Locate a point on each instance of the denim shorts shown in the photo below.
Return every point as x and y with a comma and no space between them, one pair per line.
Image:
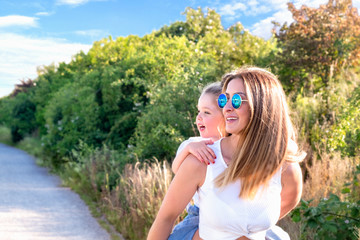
186,229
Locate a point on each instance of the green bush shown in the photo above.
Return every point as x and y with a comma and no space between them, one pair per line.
332,218
23,118
345,134
71,116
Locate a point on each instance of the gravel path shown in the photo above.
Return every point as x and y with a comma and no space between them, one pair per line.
34,206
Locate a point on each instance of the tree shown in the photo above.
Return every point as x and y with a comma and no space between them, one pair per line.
320,42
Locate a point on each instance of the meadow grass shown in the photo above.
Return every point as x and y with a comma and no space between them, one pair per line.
135,201
5,135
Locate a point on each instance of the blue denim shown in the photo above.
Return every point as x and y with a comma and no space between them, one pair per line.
186,229
276,233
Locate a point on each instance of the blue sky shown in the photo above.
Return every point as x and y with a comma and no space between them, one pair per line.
34,33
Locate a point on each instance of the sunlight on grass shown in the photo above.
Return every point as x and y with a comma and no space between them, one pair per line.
138,196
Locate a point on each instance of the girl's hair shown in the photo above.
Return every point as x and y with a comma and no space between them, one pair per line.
269,138
213,88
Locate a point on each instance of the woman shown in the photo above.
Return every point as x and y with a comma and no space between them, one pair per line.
256,179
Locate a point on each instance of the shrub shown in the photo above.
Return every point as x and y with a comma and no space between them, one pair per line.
332,218
23,115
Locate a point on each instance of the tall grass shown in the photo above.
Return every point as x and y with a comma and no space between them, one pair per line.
135,201
129,195
327,174
5,135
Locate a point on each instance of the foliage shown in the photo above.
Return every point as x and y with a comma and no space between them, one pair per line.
5,135
24,86
70,117
345,135
23,118
332,218
320,42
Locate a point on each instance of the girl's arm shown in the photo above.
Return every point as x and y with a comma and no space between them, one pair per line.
190,176
291,181
199,149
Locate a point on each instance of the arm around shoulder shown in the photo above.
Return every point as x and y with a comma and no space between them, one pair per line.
292,183
190,175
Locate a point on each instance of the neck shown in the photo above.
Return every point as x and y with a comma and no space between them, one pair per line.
229,146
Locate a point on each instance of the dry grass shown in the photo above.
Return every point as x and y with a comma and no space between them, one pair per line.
324,175
136,200
328,174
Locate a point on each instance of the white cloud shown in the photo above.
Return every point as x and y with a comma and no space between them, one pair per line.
356,3
263,28
232,9
282,15
21,55
44,13
93,33
71,2
17,20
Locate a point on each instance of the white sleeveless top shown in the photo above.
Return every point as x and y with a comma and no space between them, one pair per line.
225,216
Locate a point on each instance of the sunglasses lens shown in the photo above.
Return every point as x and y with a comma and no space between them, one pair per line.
222,100
236,101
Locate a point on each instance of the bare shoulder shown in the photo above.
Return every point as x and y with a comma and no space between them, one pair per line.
291,170
193,168
291,179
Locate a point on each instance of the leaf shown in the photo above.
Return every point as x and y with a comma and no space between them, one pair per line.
296,216
355,212
312,223
345,190
330,227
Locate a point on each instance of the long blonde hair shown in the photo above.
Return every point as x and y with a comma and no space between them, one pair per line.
265,140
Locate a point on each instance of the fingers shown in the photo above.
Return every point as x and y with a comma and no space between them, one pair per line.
206,156
208,141
210,156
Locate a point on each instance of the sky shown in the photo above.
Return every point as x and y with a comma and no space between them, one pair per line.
35,33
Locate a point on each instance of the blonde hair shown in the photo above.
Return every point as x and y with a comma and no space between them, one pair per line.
269,138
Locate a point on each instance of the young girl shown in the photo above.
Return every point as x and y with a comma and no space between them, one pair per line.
210,123
211,126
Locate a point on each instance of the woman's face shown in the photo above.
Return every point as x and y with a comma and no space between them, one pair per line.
209,121
236,120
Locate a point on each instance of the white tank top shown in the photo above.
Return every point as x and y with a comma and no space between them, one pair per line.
225,216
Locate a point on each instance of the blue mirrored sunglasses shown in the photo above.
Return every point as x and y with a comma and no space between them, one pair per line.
235,101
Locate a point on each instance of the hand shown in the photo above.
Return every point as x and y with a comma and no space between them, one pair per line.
202,152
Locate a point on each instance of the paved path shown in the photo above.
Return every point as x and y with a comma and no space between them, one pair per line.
33,205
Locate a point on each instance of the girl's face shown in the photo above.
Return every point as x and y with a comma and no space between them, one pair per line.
236,120
209,121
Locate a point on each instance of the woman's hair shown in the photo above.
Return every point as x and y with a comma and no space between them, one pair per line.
269,138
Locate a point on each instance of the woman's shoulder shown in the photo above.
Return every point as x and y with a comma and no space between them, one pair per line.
194,163
290,169
193,167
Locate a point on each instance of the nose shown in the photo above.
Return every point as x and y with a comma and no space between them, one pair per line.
228,107
198,117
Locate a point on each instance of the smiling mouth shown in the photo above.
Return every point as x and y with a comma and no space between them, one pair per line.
231,119
201,127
